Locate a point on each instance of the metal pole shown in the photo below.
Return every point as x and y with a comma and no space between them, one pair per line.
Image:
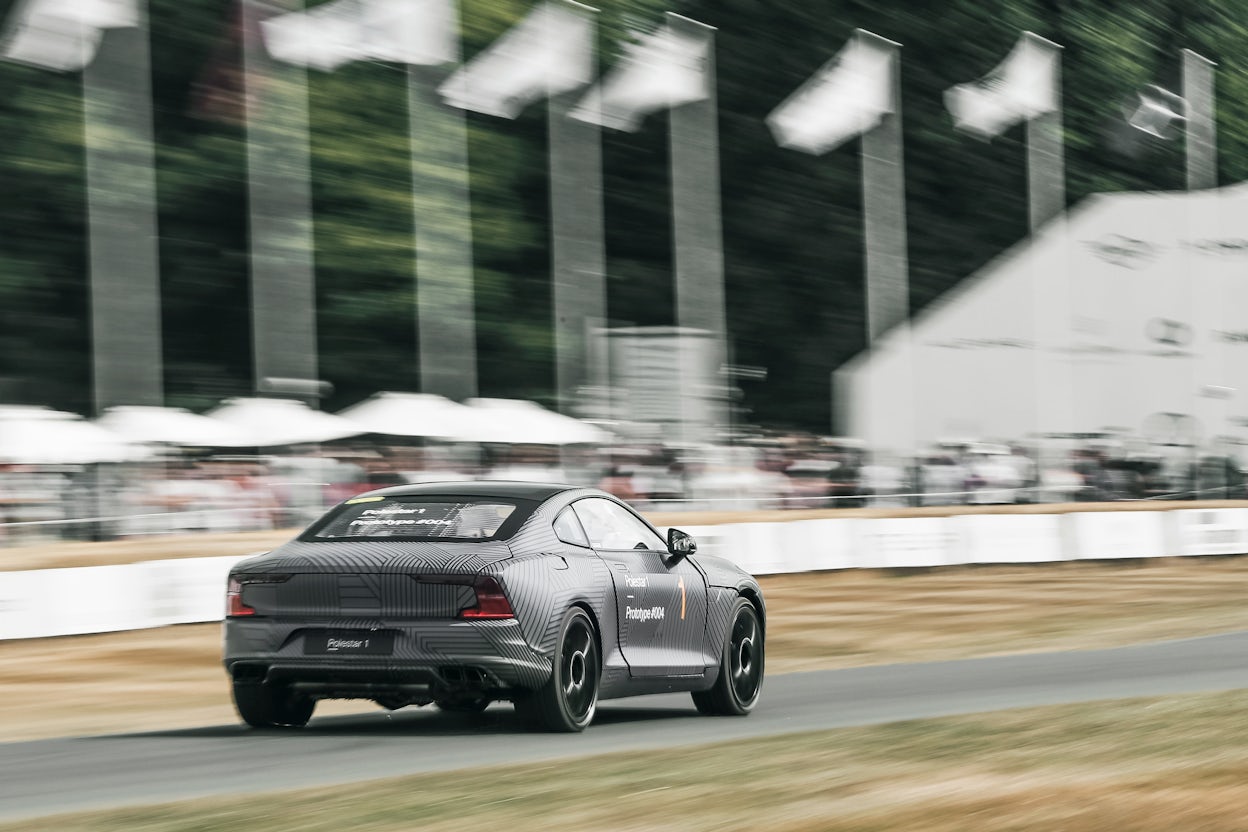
1046,202
1202,165
1046,164
283,290
693,137
445,313
121,217
1206,302
577,252
884,238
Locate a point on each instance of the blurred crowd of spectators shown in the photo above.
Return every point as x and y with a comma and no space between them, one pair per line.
240,493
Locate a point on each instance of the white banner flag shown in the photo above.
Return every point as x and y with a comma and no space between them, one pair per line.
417,32
662,70
1020,88
64,34
846,98
1157,112
546,54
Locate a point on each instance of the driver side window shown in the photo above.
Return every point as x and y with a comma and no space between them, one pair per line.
611,526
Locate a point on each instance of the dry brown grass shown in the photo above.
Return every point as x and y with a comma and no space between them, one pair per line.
172,677
1162,765
861,617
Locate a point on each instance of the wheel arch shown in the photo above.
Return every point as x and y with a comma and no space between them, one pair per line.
755,597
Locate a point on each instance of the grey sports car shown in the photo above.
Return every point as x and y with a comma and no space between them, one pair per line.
459,594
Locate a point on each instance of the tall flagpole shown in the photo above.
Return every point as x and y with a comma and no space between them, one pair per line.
884,237
1201,139
1026,87
693,140
122,220
1046,162
884,212
283,293
1201,170
445,296
578,259
1050,287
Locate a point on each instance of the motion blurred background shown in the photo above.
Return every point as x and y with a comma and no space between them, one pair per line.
672,222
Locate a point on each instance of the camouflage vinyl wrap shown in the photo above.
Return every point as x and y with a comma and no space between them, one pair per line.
415,590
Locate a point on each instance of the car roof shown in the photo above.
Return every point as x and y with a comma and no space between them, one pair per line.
475,488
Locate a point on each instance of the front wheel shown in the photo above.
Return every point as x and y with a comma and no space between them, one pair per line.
740,681
568,700
269,706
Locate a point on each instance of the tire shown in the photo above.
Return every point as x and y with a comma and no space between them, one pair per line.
467,705
569,699
740,681
269,706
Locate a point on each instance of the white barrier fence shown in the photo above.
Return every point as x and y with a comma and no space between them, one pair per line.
100,599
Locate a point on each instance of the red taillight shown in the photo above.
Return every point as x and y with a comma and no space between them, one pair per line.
234,600
491,602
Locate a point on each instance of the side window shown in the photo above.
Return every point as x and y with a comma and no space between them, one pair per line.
611,526
568,528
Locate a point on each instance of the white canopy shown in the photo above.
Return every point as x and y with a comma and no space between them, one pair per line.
263,422
410,414
41,436
517,422
170,425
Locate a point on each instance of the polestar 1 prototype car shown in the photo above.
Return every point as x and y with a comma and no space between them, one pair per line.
551,597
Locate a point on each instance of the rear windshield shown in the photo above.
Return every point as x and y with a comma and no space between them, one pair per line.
420,518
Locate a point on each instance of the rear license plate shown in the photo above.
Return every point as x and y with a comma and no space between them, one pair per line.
354,642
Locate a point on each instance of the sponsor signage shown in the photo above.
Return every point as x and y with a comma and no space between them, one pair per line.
1099,535
902,542
1011,538
1209,531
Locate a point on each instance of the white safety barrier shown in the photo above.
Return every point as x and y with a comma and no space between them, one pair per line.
105,599
99,599
1011,538
1104,535
1203,531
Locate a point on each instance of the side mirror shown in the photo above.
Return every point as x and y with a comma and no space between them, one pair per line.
681,544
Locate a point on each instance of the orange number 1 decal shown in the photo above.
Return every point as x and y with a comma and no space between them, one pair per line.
682,598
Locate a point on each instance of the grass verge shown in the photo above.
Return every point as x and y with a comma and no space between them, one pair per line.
1159,764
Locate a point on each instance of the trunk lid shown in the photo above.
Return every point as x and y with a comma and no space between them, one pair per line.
366,580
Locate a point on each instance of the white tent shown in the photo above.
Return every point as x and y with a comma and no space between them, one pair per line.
41,436
263,422
171,426
410,414
1129,315
517,422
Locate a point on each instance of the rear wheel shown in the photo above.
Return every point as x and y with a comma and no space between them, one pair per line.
568,700
270,706
740,679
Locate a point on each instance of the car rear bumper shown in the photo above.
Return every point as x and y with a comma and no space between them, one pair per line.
429,660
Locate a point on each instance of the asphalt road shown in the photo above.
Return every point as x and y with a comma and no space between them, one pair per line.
48,776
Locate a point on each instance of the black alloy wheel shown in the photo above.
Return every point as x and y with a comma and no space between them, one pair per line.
569,699
740,682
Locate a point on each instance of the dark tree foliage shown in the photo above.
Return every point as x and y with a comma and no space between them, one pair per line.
792,222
